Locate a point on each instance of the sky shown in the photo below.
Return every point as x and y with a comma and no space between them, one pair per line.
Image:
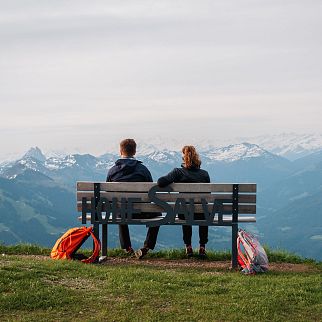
81,75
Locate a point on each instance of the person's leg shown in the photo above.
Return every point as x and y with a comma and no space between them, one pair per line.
187,234
203,239
151,237
203,235
149,243
124,236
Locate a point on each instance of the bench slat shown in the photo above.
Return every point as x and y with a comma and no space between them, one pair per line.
226,219
179,187
168,196
149,207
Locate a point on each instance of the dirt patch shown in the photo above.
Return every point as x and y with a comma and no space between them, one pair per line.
167,263
296,268
207,265
179,263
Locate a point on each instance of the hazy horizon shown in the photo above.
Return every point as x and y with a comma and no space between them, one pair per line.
81,75
272,143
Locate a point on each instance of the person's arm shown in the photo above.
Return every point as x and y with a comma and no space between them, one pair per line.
108,178
148,176
208,178
171,177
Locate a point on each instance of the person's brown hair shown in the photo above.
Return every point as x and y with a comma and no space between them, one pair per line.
128,147
190,157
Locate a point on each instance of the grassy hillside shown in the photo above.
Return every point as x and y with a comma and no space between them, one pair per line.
35,288
34,211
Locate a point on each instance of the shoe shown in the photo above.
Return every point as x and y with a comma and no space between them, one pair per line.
202,252
140,253
189,251
129,251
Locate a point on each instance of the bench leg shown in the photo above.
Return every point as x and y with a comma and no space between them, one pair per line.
104,239
96,232
234,262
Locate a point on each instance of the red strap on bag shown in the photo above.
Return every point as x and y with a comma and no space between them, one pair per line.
96,252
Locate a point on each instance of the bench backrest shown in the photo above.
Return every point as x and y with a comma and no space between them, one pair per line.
234,198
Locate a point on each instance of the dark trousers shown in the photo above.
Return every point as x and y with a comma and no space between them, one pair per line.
150,241
187,231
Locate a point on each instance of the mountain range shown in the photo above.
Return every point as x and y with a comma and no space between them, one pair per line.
37,194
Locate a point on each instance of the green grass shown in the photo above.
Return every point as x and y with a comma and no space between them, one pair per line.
283,256
24,249
34,288
278,256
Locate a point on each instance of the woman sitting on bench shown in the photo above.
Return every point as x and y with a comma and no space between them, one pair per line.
189,172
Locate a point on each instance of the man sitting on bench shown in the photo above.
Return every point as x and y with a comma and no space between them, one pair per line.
128,169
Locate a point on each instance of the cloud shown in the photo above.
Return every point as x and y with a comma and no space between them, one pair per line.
142,66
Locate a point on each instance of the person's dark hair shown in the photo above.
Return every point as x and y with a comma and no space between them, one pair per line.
190,157
128,147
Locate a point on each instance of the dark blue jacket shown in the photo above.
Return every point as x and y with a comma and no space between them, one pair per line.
193,175
129,170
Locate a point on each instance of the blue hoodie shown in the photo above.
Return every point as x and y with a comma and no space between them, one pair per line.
129,170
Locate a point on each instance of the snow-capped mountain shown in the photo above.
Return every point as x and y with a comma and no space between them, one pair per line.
289,145
35,160
235,152
161,156
35,153
12,169
224,163
66,169
230,153
242,161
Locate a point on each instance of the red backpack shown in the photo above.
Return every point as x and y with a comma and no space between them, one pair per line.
68,244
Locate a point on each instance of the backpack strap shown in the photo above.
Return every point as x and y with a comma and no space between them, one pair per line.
96,251
242,260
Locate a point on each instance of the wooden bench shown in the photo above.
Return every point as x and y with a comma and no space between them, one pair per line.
223,204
